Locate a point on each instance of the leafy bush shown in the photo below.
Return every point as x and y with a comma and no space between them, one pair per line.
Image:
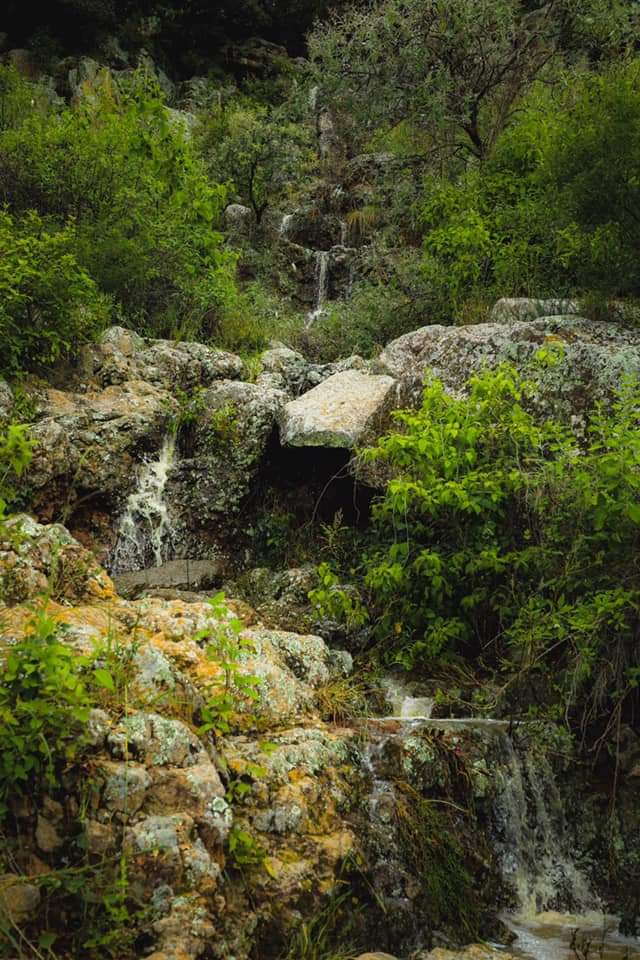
44,707
144,213
15,457
262,152
552,211
48,302
502,537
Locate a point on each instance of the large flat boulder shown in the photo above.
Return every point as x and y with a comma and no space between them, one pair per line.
345,410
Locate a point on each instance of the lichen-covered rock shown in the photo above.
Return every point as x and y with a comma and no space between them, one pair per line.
510,310
122,355
6,399
583,360
343,411
18,899
227,444
92,442
156,741
37,558
279,597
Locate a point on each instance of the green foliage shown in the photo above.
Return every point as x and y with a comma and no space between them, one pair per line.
552,209
504,536
452,68
224,425
145,216
234,689
331,600
431,841
328,934
15,456
48,301
44,707
262,152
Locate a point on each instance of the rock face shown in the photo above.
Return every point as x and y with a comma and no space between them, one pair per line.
573,360
233,839
510,310
343,411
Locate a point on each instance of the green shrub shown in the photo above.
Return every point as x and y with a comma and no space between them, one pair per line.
15,456
501,537
48,302
552,210
44,708
145,215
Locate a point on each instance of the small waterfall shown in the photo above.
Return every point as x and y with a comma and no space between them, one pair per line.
322,285
285,224
531,839
144,532
344,233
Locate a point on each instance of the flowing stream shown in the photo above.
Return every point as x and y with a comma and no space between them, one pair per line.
144,532
532,843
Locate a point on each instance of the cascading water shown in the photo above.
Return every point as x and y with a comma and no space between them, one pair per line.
322,285
531,836
144,533
528,830
285,224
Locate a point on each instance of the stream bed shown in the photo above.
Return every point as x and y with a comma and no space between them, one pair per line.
548,936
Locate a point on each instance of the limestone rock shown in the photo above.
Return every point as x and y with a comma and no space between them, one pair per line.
47,837
227,445
156,740
590,358
121,355
240,220
44,558
375,956
343,411
509,310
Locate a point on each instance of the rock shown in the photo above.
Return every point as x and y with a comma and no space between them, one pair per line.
227,444
18,899
375,956
44,558
156,740
476,951
192,575
343,411
240,220
510,310
6,399
121,355
589,358
101,838
125,786
47,837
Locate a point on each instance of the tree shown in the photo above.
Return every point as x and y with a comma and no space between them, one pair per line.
454,68
260,151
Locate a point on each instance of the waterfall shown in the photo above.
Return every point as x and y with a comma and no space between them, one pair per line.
531,838
285,223
144,531
322,285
